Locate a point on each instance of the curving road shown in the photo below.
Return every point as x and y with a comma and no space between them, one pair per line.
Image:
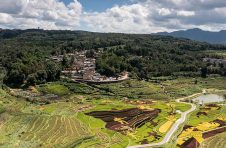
175,126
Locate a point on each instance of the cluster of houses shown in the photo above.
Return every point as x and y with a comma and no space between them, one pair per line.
83,68
214,60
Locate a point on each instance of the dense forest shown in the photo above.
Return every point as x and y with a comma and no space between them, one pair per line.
160,56
24,55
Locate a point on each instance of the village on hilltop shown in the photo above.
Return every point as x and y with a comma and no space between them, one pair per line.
83,68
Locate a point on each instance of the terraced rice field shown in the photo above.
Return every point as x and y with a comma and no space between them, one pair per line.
217,141
205,124
79,120
123,120
53,125
43,131
57,130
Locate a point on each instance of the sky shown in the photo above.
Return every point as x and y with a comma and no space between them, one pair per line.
99,5
124,16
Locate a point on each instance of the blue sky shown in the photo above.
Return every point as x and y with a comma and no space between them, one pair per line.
99,5
123,16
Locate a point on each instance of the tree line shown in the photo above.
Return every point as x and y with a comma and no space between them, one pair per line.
25,55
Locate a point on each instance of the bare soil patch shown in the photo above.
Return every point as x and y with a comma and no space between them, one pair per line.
126,119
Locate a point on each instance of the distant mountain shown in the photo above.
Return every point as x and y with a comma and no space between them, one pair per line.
199,35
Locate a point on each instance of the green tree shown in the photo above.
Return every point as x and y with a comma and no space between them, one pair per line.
52,71
204,72
65,62
90,53
31,79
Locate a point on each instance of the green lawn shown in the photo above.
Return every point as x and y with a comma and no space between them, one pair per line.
221,53
212,115
54,88
135,89
2,109
182,106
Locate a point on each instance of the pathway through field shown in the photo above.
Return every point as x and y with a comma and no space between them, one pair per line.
176,125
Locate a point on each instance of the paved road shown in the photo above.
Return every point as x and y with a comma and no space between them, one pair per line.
175,126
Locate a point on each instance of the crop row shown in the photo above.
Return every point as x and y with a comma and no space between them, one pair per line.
54,130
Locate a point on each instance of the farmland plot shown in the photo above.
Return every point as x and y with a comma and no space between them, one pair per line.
55,130
41,131
217,141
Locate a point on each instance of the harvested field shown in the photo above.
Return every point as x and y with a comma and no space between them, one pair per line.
207,126
214,132
197,135
126,119
221,122
165,127
201,113
211,141
190,143
139,102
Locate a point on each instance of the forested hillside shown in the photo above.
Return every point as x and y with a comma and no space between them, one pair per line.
199,35
25,54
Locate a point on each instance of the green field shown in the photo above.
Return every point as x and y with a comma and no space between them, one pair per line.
221,53
211,115
54,88
63,123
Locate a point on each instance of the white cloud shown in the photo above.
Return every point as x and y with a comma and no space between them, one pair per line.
128,18
47,14
185,13
162,15
5,18
12,6
164,11
142,16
